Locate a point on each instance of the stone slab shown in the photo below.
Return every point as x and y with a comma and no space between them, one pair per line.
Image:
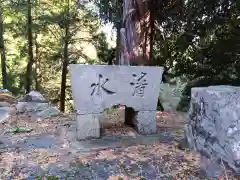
88,126
214,123
96,87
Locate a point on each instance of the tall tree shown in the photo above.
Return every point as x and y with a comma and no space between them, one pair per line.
2,50
29,72
65,57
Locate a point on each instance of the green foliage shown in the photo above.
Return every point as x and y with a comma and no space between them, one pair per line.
50,18
48,178
110,11
197,39
105,53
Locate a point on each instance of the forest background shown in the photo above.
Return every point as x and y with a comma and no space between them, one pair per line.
197,41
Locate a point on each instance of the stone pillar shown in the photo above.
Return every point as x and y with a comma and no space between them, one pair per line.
146,122
88,126
214,123
143,121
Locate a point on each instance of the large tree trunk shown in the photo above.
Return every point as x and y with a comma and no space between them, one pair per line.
134,34
137,34
152,32
29,73
2,51
126,34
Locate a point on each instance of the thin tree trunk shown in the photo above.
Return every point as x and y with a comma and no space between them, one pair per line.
29,72
2,51
37,55
65,64
118,43
64,71
37,65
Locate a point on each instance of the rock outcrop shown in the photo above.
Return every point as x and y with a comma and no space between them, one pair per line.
214,125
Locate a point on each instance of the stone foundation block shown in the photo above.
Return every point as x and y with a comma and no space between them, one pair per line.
145,122
88,126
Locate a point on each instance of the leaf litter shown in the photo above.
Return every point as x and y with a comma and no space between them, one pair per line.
155,161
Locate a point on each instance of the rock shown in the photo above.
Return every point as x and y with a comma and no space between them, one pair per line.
34,103
42,106
4,116
8,109
47,113
6,97
21,107
4,104
211,169
214,123
36,107
32,106
4,91
97,87
33,96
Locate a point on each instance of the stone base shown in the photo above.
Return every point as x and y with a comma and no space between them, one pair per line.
143,121
146,122
88,126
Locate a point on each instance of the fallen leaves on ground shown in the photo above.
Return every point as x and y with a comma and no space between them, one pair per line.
114,125
164,159
176,163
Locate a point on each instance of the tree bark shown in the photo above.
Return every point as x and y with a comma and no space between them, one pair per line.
65,64
118,43
64,71
37,66
152,32
2,51
37,63
29,72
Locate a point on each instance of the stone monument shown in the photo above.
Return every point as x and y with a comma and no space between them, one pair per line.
214,123
97,87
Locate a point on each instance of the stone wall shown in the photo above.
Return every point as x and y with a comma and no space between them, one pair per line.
214,123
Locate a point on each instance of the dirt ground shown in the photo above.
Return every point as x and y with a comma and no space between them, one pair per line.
50,151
